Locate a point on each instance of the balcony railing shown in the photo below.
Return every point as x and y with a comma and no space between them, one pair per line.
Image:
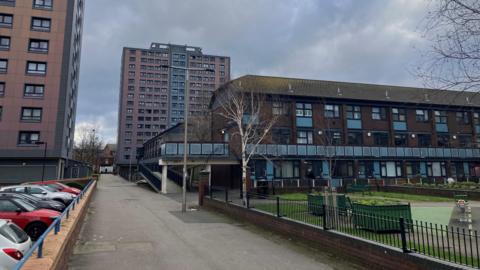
280,150
194,149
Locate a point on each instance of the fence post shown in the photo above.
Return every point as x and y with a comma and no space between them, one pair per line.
278,206
248,200
324,217
403,236
40,250
226,195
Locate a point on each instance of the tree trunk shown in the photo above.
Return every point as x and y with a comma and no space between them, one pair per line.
244,179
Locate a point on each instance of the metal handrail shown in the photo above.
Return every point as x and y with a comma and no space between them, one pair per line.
56,225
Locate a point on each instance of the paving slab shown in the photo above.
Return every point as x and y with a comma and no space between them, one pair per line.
131,227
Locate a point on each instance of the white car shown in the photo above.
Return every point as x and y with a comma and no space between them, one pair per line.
14,243
44,192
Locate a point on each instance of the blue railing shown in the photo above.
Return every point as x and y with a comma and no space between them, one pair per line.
278,150
150,177
56,225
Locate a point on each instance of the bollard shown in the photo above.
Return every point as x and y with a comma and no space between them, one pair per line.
278,206
40,250
403,236
324,217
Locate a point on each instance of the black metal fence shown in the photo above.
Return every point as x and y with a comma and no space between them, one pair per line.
453,244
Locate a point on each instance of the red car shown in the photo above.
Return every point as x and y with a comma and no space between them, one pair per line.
34,221
59,186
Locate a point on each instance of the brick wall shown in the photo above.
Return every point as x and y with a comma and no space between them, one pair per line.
369,254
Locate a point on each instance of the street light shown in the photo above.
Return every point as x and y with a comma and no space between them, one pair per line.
185,128
44,157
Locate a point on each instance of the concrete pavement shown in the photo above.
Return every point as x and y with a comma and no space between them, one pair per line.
131,227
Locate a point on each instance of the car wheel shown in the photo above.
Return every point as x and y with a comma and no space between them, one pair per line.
35,230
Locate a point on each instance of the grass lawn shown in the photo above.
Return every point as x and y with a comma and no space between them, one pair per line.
435,215
377,195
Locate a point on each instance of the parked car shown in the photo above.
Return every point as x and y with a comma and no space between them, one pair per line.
44,192
59,186
34,221
40,203
14,243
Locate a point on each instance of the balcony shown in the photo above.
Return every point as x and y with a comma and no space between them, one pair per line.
282,150
195,149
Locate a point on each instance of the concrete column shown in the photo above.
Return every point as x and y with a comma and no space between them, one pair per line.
164,179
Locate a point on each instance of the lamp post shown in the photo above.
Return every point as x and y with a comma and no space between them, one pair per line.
44,157
185,128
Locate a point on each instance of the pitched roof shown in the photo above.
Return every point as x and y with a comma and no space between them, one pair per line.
354,91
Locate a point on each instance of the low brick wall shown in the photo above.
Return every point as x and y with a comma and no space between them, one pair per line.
58,248
364,252
417,190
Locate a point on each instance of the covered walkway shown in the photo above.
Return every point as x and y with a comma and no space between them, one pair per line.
131,227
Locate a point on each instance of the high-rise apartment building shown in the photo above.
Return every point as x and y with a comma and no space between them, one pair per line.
40,44
152,92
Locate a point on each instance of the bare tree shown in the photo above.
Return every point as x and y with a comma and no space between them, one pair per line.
453,60
241,105
87,148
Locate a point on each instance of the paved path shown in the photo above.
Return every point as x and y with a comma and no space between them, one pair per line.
131,227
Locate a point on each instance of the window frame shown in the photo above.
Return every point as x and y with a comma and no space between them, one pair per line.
303,109
398,114
32,117
33,94
4,70
306,138
40,28
42,6
331,111
357,133
30,133
441,117
354,112
36,72
5,47
39,49
423,117
2,20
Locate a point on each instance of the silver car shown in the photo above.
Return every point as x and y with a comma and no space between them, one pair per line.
44,192
14,243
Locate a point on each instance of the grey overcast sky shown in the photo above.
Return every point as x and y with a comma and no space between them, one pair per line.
371,41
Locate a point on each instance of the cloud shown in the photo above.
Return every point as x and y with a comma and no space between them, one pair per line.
361,41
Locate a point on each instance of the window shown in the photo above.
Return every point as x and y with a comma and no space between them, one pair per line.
465,140
333,137
379,113
463,118
440,117
281,135
2,89
476,119
7,2
443,140
304,109
424,140
365,169
421,115
36,68
398,115
32,114
353,112
8,206
380,138
3,65
280,108
391,169
304,137
354,138
28,137
436,169
45,4
6,20
41,24
400,139
34,90
4,43
412,169
343,169
332,111
38,45
286,169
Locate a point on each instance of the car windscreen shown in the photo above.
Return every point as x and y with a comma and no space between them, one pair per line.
30,197
50,189
28,206
54,186
13,233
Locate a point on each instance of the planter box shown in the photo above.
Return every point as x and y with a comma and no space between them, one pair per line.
380,218
315,203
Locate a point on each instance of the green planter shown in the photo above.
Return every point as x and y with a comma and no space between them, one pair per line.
315,203
380,218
